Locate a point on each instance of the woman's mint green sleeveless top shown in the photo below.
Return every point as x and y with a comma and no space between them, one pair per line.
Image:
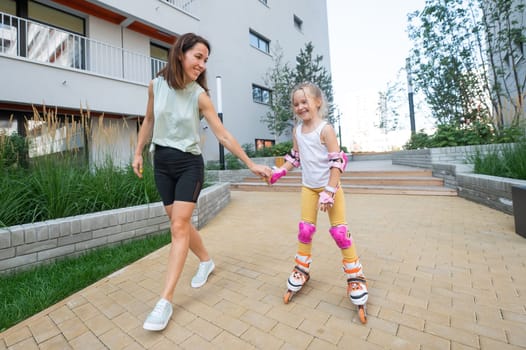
176,113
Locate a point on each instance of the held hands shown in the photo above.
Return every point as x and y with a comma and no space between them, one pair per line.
261,170
137,166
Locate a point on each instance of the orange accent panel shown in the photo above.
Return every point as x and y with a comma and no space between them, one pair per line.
152,32
94,10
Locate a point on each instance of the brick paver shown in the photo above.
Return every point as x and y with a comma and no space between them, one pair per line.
444,273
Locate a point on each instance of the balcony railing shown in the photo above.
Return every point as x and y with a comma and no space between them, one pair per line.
187,6
34,41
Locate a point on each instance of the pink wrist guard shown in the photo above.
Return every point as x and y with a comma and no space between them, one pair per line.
326,198
277,173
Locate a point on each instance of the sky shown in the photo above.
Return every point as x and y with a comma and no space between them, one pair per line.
368,47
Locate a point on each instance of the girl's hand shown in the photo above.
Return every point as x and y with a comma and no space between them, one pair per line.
137,166
326,200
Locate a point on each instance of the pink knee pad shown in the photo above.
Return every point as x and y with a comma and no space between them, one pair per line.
341,237
306,231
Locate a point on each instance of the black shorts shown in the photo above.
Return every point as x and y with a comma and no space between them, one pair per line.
179,175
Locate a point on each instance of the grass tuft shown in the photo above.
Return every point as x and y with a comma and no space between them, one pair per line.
507,160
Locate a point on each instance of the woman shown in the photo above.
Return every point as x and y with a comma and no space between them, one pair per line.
177,98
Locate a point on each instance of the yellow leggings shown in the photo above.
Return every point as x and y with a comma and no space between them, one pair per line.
309,213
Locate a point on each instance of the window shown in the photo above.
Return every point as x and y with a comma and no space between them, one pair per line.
56,18
259,42
264,143
298,23
8,7
260,94
159,57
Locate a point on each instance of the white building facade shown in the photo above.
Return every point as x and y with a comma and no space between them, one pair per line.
99,55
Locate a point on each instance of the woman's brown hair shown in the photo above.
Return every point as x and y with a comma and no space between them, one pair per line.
173,71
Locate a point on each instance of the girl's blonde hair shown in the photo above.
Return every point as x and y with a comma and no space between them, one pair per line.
312,90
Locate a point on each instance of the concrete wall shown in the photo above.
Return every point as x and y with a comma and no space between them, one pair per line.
450,164
24,246
492,191
425,158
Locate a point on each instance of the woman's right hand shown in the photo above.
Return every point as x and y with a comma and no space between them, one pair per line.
137,166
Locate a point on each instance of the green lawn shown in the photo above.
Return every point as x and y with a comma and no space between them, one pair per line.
26,293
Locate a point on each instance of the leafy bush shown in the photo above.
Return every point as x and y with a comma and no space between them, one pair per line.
281,149
13,151
418,140
278,150
233,163
476,133
249,149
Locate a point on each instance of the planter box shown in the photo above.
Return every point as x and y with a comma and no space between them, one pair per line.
27,245
518,194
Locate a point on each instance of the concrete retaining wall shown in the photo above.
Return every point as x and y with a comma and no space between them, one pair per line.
223,176
370,156
425,158
492,191
24,246
217,176
449,163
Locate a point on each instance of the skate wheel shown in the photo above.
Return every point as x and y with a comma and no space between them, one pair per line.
288,297
362,314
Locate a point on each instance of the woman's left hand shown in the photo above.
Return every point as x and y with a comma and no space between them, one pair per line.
261,170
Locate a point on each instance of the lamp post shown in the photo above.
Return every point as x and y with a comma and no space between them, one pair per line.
410,96
220,114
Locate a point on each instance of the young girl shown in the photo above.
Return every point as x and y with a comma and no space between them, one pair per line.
315,148
176,100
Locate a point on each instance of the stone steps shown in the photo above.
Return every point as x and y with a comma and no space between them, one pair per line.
405,182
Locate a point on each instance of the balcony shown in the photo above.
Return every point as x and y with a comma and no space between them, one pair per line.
36,42
187,6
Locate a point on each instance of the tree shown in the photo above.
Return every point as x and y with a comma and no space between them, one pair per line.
310,68
444,62
281,79
468,60
502,22
389,104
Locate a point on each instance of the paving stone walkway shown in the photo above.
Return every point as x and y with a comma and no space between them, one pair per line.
444,273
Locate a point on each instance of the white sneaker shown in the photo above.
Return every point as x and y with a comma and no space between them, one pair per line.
205,269
159,317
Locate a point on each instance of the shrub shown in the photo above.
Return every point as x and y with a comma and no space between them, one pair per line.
13,151
507,160
418,140
476,133
53,188
281,149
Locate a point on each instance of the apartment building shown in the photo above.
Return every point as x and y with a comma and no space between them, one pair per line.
99,55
